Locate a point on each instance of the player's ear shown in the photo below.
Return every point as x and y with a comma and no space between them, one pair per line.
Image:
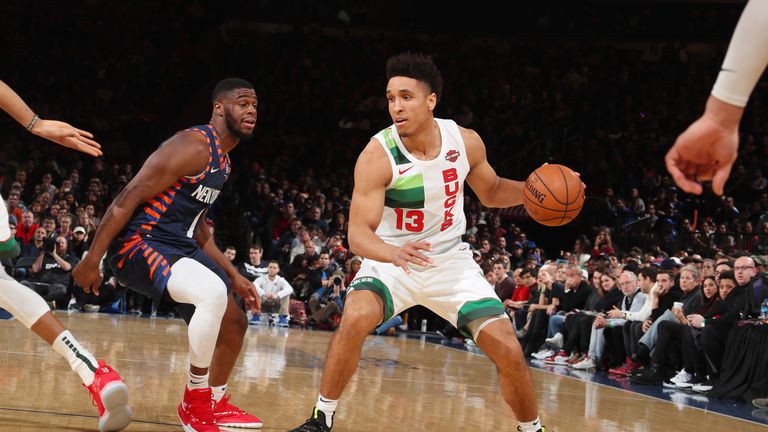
218,109
432,101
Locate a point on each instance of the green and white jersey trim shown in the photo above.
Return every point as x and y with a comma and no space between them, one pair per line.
424,201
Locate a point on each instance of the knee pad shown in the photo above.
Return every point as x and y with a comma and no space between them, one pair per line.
192,282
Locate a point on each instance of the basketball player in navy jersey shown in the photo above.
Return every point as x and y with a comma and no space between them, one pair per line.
157,243
109,392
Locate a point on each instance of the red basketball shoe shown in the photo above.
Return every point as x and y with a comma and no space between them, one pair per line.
196,411
110,395
231,416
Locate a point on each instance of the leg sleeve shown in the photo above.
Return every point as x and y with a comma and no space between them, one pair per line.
193,283
23,303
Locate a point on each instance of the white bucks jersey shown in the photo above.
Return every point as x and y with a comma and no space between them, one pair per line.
425,200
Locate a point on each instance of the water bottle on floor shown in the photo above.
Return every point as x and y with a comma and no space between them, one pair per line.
764,309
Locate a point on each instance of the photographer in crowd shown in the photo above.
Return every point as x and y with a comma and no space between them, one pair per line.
329,304
51,271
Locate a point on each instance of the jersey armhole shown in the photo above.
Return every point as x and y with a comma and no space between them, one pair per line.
199,177
390,158
462,145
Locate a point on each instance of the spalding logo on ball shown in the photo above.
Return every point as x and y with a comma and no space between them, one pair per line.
535,193
553,195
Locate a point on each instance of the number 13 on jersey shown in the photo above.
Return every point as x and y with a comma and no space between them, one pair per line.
411,220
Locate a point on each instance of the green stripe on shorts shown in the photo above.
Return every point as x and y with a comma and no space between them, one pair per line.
473,310
9,248
378,287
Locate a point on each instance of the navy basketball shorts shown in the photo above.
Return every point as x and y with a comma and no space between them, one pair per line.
144,265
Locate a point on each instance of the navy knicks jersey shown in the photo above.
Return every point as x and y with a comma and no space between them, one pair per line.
170,218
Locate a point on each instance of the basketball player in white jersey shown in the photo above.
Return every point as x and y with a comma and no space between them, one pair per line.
109,392
407,220
708,148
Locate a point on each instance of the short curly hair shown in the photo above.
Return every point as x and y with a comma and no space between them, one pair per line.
417,66
227,85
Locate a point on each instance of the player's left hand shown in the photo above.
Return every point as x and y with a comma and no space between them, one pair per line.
68,136
578,174
245,289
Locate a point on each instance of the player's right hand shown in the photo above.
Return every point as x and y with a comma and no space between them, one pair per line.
87,276
68,136
707,149
410,253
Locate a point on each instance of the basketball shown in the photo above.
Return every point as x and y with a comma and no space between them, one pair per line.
553,195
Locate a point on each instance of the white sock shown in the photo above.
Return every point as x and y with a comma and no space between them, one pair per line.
219,392
197,381
80,360
328,407
533,426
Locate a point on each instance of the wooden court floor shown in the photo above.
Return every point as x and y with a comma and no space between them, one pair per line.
402,385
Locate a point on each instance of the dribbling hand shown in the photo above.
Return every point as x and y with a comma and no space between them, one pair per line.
411,253
578,174
87,276
67,135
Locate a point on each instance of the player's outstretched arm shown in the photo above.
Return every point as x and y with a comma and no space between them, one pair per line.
59,132
372,174
708,148
185,154
492,190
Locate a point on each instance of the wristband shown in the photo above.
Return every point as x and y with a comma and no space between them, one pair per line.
33,122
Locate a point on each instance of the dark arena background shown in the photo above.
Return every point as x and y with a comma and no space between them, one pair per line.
603,87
